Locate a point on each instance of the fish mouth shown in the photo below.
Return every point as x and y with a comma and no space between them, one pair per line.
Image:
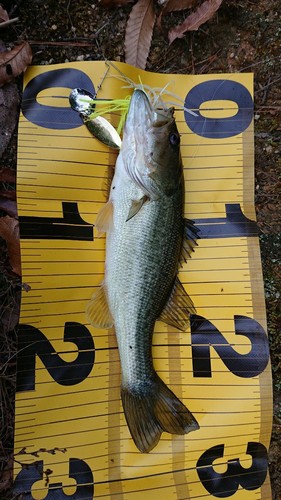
142,115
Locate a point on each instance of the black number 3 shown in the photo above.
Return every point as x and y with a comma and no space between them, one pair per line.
226,484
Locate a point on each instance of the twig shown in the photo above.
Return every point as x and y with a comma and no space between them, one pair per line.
264,61
277,108
167,61
7,23
266,90
69,17
65,43
211,60
103,78
191,53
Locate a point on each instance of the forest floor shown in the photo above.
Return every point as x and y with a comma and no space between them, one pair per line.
244,36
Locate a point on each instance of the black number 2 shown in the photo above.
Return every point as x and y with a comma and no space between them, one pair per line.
205,335
32,342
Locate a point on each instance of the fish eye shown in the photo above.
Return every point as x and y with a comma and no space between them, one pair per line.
174,139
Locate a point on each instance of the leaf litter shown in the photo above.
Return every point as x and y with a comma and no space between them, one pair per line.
143,16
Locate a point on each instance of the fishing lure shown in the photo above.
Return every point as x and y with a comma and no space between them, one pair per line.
84,103
93,109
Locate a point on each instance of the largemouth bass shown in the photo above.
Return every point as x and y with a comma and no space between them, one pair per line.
147,239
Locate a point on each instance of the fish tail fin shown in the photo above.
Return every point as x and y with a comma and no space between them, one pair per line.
152,408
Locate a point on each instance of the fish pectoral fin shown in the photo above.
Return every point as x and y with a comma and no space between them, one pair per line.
104,218
189,240
178,308
97,310
136,206
152,409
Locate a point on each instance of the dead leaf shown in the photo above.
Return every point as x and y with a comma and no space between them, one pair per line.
14,62
202,14
6,480
139,32
7,174
9,231
174,5
9,101
3,15
7,205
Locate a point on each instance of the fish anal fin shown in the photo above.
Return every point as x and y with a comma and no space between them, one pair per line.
151,409
97,311
104,218
189,240
136,206
178,308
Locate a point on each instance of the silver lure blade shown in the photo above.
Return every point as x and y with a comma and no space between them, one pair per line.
104,131
81,101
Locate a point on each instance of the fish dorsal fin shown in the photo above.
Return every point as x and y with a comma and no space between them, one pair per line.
104,218
189,240
97,311
136,206
178,308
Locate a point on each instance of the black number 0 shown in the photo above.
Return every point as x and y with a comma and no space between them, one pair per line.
213,90
53,117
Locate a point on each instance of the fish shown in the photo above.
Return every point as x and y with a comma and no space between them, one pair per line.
147,240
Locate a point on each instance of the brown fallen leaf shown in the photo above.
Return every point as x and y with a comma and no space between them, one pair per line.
202,14
7,174
139,32
8,205
9,101
6,480
174,5
3,15
9,231
14,62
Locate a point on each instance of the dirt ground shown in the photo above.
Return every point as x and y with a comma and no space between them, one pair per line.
244,36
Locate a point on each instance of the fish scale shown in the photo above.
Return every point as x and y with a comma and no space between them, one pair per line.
135,279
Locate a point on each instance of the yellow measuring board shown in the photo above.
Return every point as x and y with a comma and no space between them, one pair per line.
71,438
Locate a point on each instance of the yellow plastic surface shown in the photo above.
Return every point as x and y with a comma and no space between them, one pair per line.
84,420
